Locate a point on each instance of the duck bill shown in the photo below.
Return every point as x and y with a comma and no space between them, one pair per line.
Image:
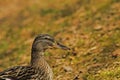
59,45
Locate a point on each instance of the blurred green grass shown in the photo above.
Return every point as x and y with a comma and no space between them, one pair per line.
91,28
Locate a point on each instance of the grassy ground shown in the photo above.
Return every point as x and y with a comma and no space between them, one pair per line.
90,27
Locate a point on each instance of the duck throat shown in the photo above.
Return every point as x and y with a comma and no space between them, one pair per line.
38,62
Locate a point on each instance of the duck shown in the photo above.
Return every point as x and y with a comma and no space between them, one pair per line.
38,69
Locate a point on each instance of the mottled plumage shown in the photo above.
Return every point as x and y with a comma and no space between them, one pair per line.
38,68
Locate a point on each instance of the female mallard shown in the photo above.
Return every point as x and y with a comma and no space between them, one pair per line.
38,68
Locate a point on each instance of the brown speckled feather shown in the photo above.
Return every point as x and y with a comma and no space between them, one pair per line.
24,73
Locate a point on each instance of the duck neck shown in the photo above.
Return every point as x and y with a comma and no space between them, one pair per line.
37,59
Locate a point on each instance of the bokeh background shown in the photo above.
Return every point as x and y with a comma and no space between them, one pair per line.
91,28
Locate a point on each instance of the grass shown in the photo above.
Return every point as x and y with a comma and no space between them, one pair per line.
90,28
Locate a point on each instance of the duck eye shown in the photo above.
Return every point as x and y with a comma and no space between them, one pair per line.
47,38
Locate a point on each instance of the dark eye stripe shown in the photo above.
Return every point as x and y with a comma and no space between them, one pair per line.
49,39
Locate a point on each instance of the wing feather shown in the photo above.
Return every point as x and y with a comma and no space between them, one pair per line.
19,73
